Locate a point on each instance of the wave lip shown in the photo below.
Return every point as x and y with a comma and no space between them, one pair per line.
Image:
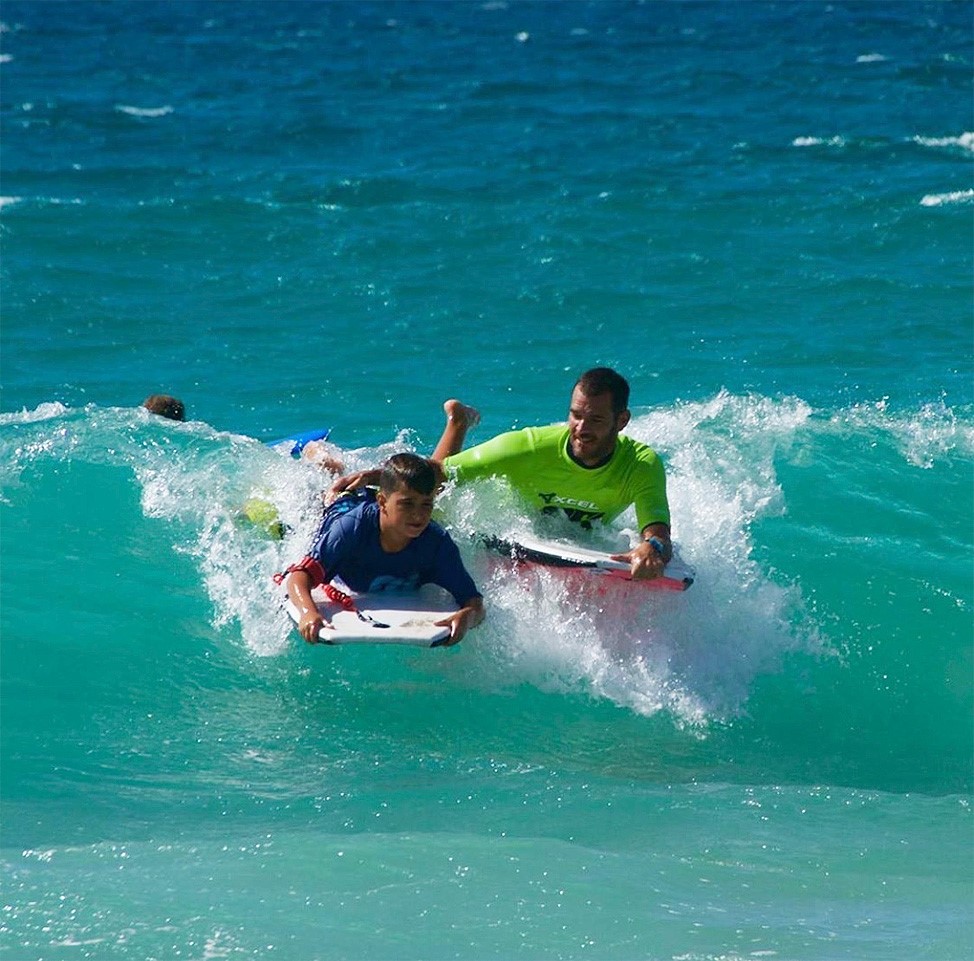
147,112
965,141
953,197
835,141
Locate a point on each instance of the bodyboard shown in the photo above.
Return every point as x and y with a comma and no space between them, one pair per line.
677,576
294,444
383,618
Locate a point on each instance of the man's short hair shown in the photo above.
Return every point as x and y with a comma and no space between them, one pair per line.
165,406
407,470
604,380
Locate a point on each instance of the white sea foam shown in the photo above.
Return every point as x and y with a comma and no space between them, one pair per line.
953,197
5,58
147,112
205,493
9,201
45,411
818,142
696,654
924,437
871,58
236,560
965,141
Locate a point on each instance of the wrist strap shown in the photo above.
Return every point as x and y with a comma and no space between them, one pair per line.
657,545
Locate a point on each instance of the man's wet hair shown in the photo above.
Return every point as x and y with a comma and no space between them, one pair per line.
604,380
165,406
407,470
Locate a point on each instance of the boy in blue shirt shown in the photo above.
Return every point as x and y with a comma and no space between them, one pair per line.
386,543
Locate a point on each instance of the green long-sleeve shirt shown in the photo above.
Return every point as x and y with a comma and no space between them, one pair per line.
536,463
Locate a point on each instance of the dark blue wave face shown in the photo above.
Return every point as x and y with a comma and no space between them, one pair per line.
703,196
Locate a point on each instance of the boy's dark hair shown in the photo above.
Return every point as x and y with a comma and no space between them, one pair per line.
407,470
165,406
604,380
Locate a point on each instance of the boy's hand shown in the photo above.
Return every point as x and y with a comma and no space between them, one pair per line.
310,624
461,622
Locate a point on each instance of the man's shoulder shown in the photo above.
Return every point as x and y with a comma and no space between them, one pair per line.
632,449
548,432
533,435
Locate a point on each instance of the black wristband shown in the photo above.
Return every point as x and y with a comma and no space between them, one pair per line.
657,545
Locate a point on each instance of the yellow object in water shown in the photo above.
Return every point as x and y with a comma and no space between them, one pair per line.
263,515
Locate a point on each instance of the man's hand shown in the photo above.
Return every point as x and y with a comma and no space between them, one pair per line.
644,562
648,559
351,482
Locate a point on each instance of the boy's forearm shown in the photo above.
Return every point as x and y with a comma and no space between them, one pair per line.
476,608
299,590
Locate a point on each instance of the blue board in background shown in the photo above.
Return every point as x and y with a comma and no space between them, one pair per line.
298,441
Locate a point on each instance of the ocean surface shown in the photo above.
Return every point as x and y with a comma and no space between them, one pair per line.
294,215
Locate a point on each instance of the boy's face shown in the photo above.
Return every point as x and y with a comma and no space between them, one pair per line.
405,511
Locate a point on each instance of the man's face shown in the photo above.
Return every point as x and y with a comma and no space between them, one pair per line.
593,427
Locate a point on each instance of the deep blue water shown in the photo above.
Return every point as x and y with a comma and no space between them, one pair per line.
296,214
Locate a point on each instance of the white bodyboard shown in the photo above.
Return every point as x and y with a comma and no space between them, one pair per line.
526,547
406,618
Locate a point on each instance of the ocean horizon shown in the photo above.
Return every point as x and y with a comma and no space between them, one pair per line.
295,215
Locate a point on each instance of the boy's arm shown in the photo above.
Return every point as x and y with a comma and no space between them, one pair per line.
451,575
469,616
298,586
370,478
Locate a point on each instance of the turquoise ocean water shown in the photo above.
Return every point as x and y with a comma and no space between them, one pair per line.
299,214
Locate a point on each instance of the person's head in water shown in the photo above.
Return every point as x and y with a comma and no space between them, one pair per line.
407,489
165,406
598,411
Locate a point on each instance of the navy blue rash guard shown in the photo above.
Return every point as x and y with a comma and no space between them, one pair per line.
348,546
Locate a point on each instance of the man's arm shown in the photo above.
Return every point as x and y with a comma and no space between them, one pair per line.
648,558
655,549
459,419
657,536
353,481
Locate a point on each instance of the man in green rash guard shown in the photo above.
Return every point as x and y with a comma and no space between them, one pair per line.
583,469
